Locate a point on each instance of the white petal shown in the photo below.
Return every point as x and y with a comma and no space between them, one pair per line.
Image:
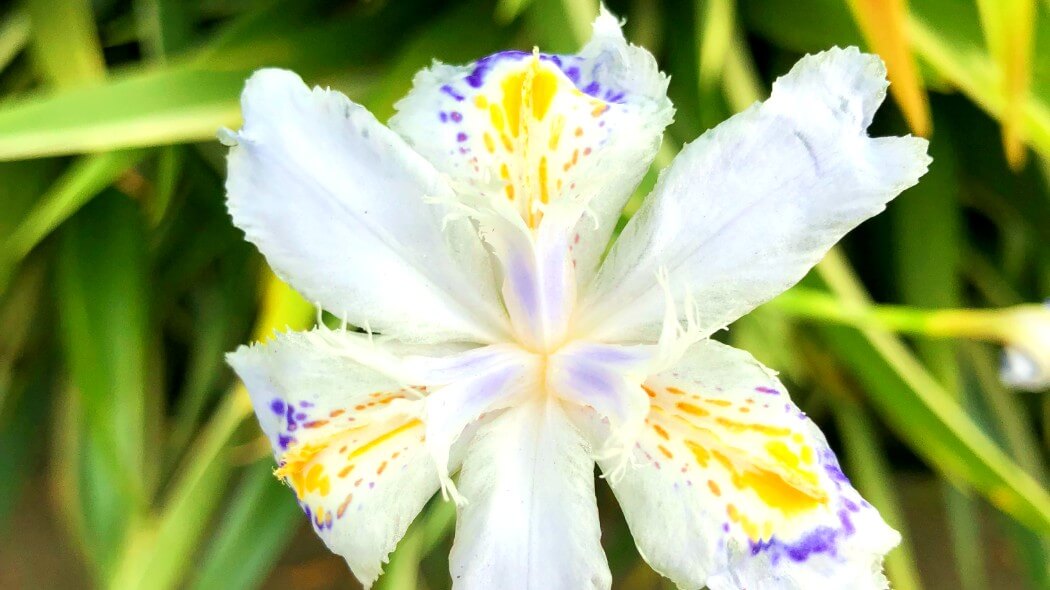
539,132
347,436
336,202
464,386
734,488
745,211
607,378
531,522
539,283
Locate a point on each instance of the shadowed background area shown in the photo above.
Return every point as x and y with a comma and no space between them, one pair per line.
128,456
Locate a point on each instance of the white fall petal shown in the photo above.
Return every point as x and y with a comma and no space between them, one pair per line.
335,201
733,487
746,210
469,238
531,522
348,437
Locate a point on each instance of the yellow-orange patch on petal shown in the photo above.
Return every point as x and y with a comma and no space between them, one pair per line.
305,466
544,87
518,129
764,463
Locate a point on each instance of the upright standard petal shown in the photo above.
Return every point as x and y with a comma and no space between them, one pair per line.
732,487
530,521
531,134
347,436
606,378
745,211
339,205
539,282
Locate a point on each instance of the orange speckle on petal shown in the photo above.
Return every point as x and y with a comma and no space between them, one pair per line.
700,453
689,408
735,426
544,190
342,507
556,128
385,436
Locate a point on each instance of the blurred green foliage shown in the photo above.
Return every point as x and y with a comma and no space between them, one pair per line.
127,459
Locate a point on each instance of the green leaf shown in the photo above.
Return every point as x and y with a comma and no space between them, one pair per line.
188,101
103,314
164,27
945,34
925,415
163,551
26,382
931,280
21,184
81,182
14,34
256,526
152,107
163,557
65,42
868,468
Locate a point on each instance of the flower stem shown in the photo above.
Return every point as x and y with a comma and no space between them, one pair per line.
978,324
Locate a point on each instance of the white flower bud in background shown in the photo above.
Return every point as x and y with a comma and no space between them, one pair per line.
1026,356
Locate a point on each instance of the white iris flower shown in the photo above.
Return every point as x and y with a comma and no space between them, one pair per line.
467,238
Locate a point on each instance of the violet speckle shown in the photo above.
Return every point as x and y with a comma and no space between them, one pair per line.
451,92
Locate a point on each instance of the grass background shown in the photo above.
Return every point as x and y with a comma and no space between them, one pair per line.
128,458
